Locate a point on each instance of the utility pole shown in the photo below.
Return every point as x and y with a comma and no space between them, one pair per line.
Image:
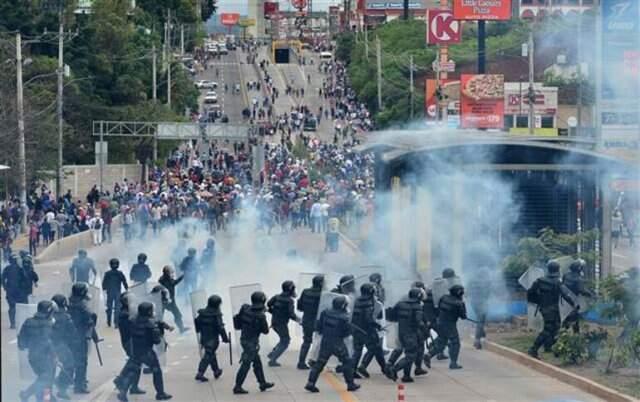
405,10
182,40
411,89
167,47
579,63
154,89
366,41
532,94
379,65
59,170
22,164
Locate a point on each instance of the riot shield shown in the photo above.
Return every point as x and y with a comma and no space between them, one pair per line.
396,290
198,301
364,272
441,286
155,297
96,303
24,311
534,319
582,301
239,296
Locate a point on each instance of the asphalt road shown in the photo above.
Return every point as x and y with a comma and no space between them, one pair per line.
254,258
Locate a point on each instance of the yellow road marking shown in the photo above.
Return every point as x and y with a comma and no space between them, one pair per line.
339,387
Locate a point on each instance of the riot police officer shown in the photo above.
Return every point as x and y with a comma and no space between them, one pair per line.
450,309
112,283
140,271
408,313
575,281
145,332
84,321
281,308
546,293
62,333
252,322
443,284
81,267
376,280
429,317
29,277
211,328
11,283
308,304
346,286
35,336
333,325
366,327
189,269
131,368
479,293
169,282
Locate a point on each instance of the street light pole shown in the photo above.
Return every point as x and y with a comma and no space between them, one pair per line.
59,170
22,164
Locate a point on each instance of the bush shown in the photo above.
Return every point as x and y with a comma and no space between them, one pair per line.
571,348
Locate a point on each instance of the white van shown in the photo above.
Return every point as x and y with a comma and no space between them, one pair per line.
326,56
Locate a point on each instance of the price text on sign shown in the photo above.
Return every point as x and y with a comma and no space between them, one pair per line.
442,28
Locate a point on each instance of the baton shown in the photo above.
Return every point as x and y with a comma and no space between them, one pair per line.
95,342
230,350
357,328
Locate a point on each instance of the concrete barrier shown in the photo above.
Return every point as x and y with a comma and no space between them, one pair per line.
68,247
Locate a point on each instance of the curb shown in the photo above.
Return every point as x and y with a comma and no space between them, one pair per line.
584,384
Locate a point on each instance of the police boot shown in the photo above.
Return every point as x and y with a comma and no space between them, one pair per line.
362,370
406,377
477,344
217,373
240,377
108,318
264,385
391,373
311,387
420,371
353,387
304,351
163,396
200,377
454,352
137,391
441,356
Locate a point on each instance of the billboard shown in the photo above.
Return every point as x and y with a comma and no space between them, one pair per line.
229,19
442,28
516,100
482,9
619,78
394,5
450,89
270,8
482,100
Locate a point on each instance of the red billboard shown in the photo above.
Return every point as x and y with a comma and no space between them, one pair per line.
482,9
270,8
482,100
442,27
299,4
229,19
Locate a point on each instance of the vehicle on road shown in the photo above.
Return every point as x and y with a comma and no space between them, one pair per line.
310,124
206,84
326,56
211,97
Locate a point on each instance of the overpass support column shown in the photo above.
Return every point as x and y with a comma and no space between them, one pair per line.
606,266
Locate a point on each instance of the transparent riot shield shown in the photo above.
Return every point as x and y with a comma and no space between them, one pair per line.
396,290
96,304
582,301
534,318
24,311
155,296
198,301
364,272
441,286
326,302
239,296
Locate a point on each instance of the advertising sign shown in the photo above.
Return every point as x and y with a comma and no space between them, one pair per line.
620,81
442,28
393,5
229,19
450,89
482,9
517,102
247,22
299,4
270,8
482,100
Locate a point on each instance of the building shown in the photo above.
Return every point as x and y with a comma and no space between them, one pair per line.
529,9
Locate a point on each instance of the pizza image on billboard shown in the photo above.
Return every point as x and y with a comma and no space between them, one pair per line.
482,9
487,86
482,101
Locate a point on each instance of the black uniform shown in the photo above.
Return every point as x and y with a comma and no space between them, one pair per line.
546,293
364,319
80,269
113,282
334,327
450,309
61,338
170,284
140,272
252,322
11,283
189,268
131,368
35,336
576,283
308,304
84,322
211,328
29,277
282,310
411,330
479,294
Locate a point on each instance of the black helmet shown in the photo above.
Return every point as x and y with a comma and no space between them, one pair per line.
211,243
448,273
82,252
45,308
347,283
339,303
578,265
258,298
214,301
124,300
367,290
80,289
114,263
418,284
318,281
553,268
456,290
23,253
60,301
191,252
375,278
289,287
142,258
416,294
145,309
13,259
